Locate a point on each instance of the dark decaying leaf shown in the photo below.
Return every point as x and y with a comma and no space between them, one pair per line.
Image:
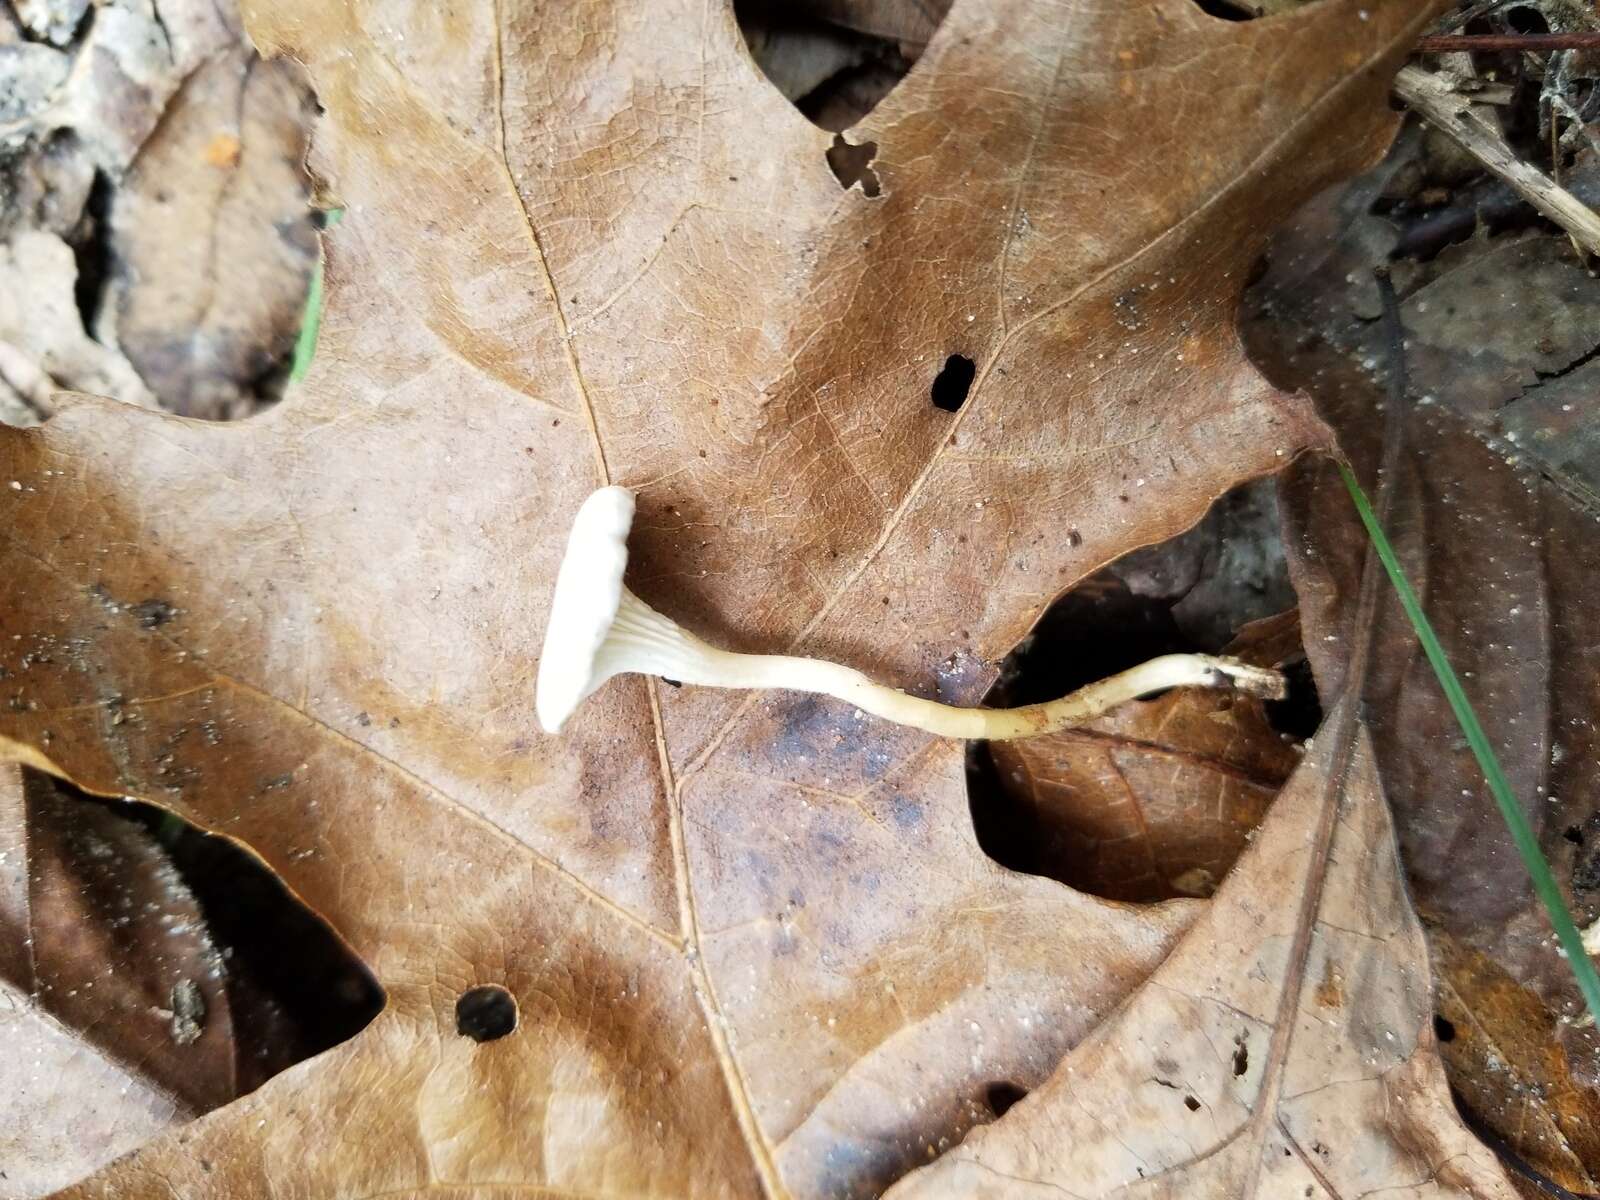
1504,557
119,945
100,936
1503,1051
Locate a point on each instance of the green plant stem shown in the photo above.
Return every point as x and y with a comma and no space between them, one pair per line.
305,346
1527,844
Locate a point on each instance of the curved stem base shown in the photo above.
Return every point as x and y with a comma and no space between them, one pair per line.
643,640
1004,724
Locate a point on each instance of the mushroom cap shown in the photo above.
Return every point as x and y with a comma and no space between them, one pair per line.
588,592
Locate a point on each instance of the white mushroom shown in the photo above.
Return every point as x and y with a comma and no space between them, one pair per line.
598,628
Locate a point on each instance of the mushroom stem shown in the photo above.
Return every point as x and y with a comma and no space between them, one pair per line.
643,640
598,629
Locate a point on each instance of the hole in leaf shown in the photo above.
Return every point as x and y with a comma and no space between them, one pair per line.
1098,807
194,345
1300,712
287,959
1001,1095
953,382
1231,10
1443,1028
176,952
486,1013
853,164
1574,835
1241,1058
836,62
1191,1104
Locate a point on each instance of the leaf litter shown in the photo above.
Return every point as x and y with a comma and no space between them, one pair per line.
755,943
1493,522
156,239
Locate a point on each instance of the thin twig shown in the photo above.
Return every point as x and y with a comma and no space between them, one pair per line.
1538,43
1431,97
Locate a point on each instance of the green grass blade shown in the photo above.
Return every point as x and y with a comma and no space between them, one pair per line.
305,346
1521,832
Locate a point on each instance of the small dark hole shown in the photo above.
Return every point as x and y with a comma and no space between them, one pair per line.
1002,1095
1298,714
672,682
1229,10
954,381
1241,1059
1443,1028
1574,835
153,614
853,164
1191,1104
486,1013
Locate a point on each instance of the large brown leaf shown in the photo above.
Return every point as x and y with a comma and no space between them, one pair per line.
753,942
1284,1049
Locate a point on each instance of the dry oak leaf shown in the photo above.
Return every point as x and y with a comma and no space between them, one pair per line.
212,240
1503,1052
1284,1049
752,940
